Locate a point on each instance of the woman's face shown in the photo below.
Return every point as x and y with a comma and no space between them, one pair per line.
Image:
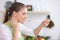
21,15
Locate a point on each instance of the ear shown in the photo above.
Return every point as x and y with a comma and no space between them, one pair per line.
14,14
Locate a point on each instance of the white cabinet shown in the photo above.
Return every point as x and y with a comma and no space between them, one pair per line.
40,12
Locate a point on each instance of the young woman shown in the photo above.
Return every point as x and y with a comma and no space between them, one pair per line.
13,27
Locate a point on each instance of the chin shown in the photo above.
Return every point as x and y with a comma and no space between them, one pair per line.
21,21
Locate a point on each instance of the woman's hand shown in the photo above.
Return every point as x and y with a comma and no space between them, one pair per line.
14,24
45,23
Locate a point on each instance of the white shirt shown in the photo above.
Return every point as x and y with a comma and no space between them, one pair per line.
24,30
44,32
5,33
27,31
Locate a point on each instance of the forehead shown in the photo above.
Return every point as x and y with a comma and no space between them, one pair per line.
24,9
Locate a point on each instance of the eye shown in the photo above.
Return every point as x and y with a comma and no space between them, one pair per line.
24,13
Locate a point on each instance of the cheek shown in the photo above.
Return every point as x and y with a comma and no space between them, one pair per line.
20,17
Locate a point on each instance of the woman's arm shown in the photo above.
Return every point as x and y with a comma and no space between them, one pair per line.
44,23
29,32
15,34
37,30
14,25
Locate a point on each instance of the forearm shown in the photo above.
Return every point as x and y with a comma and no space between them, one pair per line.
37,30
15,34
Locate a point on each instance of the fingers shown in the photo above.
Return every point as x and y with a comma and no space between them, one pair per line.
14,22
47,19
46,22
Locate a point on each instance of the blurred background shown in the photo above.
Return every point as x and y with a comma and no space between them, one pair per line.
40,10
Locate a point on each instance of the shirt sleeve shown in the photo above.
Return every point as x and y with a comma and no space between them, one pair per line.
25,30
44,32
4,35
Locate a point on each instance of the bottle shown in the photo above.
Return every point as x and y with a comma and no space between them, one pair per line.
51,23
